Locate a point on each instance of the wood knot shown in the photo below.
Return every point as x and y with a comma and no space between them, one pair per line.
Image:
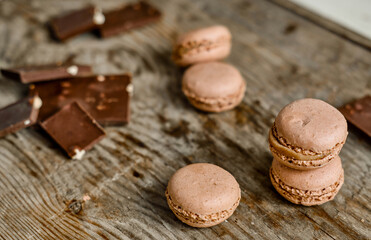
137,174
74,206
177,130
290,28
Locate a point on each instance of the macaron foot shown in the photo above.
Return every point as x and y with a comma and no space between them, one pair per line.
200,220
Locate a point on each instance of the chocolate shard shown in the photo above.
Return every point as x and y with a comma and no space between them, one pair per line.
129,17
106,98
359,114
74,130
76,22
19,115
30,74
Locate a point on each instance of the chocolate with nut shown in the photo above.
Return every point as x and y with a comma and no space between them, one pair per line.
74,130
105,98
359,114
129,17
19,115
30,74
76,22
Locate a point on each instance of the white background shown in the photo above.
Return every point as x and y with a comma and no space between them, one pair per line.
352,14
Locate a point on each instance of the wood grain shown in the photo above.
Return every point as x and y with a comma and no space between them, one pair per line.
117,190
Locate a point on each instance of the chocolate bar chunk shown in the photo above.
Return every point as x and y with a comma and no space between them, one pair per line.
76,22
359,114
74,130
19,115
30,74
106,98
129,17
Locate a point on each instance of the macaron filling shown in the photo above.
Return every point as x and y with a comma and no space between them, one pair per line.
216,104
200,219
306,197
298,156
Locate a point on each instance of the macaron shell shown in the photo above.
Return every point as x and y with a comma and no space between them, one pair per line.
212,33
212,80
312,187
202,45
217,104
216,52
311,124
203,189
314,179
307,197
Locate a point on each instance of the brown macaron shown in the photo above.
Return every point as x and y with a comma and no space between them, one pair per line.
213,86
202,45
311,187
307,133
203,194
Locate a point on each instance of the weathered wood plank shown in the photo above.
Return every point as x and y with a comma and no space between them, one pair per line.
125,176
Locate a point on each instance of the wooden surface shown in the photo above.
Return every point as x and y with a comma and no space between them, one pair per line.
117,190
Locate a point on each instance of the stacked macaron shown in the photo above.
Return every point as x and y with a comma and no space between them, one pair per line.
209,85
305,141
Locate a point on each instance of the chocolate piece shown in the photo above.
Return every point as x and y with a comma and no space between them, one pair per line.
19,115
129,17
74,130
30,74
106,98
76,22
359,114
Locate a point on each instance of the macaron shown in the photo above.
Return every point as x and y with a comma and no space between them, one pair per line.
202,194
213,86
307,133
201,45
312,187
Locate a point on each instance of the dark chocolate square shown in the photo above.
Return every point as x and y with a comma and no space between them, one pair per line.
19,115
74,130
129,17
359,114
76,22
30,74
